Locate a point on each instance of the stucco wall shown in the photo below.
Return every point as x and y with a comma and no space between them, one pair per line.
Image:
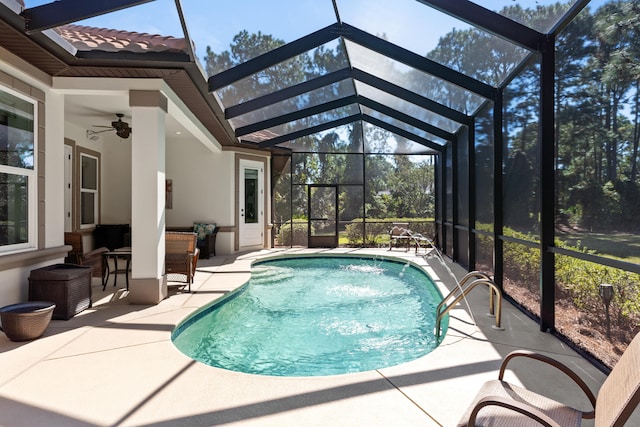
15,268
202,187
116,180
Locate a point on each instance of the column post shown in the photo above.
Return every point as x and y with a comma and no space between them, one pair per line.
148,153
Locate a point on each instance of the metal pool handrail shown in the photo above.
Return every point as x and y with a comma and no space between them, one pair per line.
465,287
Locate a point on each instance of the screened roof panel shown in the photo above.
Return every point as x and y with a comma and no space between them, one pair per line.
407,108
215,23
303,124
286,74
381,141
289,67
402,22
521,11
341,89
418,133
479,54
412,79
340,139
484,56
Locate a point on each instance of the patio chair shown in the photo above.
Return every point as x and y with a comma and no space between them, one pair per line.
399,235
77,254
502,404
181,255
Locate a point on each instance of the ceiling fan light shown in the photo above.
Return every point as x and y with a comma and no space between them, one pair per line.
123,133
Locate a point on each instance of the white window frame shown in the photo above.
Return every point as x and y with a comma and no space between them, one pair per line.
32,181
83,190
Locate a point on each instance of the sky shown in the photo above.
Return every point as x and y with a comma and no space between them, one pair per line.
214,23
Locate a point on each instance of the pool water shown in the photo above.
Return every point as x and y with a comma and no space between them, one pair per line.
313,316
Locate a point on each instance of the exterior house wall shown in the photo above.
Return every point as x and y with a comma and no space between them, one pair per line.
116,180
16,267
202,188
115,173
203,180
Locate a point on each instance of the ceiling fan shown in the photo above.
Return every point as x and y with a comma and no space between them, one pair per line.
122,128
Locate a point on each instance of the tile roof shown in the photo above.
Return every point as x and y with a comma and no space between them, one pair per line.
86,38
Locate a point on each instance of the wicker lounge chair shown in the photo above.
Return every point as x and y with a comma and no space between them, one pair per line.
181,255
77,255
502,404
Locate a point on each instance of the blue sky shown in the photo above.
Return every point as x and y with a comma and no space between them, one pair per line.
215,22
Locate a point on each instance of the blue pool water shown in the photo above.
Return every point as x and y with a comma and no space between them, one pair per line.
312,316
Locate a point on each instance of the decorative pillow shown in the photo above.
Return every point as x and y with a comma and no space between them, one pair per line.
202,229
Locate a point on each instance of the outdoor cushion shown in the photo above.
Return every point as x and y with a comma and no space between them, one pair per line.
203,229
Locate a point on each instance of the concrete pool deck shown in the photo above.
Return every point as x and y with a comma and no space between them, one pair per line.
115,365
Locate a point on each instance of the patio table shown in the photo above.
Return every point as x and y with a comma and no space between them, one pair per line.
115,255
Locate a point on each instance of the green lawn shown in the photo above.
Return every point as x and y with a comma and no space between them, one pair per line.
621,246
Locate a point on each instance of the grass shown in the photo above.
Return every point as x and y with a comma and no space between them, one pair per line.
622,246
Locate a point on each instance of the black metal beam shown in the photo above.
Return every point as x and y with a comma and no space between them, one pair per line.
437,204
394,129
347,120
274,57
309,131
185,31
406,118
471,201
334,31
337,76
62,12
411,97
566,19
443,198
489,21
416,61
296,115
455,205
547,146
342,102
286,93
498,191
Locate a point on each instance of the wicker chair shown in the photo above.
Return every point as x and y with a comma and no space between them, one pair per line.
502,404
77,255
181,255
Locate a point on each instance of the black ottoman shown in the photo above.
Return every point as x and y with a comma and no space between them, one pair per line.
67,285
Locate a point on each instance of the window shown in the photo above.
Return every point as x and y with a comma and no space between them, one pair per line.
89,189
251,196
18,191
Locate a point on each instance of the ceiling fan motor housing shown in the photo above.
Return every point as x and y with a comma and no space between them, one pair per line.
122,128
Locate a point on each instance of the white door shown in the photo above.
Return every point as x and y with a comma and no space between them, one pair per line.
68,187
251,208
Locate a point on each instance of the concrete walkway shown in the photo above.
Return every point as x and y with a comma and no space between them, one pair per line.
115,365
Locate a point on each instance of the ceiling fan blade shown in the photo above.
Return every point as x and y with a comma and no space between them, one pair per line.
121,127
93,132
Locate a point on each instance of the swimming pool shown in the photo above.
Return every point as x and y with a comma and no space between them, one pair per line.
317,315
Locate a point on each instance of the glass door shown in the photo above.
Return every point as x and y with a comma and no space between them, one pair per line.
251,210
323,216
